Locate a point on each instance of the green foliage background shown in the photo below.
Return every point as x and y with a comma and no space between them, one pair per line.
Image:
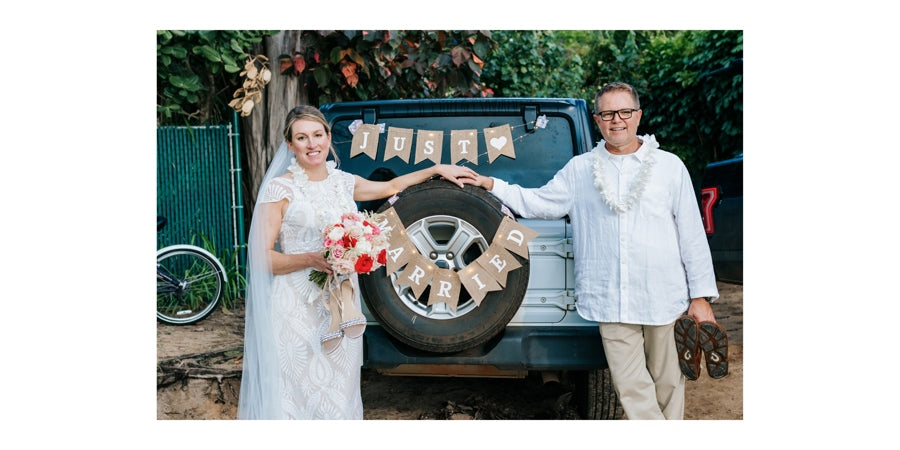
536,63
395,64
690,81
197,73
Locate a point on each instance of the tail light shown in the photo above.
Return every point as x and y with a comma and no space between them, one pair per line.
708,198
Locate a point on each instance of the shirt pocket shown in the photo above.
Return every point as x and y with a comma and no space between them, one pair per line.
656,202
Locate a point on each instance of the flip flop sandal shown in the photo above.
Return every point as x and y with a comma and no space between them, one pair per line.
353,322
687,344
331,340
714,342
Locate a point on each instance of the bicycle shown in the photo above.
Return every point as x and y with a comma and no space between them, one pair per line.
190,282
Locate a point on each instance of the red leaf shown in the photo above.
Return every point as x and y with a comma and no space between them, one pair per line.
349,71
285,64
299,64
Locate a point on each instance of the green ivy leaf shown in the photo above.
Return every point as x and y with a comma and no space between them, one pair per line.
208,52
228,60
335,54
190,83
321,77
208,35
236,47
179,52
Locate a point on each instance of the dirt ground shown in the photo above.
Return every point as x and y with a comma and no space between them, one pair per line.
199,368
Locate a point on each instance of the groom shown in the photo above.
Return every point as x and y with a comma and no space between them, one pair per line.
641,254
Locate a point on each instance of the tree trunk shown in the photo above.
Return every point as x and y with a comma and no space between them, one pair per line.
261,131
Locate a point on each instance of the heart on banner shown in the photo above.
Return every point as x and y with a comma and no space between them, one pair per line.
499,142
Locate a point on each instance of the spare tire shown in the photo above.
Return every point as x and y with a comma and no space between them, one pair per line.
451,227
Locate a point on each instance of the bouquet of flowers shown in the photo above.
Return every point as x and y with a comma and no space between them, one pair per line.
355,244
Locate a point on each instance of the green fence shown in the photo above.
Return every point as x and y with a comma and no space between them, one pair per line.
198,188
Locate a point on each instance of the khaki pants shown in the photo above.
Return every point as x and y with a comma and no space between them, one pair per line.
644,366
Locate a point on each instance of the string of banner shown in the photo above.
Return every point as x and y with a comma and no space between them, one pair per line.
487,273
490,270
429,143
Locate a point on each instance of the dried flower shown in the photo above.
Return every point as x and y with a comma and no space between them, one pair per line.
255,79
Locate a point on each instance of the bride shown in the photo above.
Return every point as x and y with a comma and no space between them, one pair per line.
303,345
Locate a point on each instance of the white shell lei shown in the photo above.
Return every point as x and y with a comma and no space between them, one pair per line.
637,189
323,205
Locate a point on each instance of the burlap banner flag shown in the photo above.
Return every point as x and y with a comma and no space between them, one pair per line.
418,274
401,249
514,236
486,274
499,142
365,140
498,262
464,145
429,145
477,282
399,143
393,221
444,288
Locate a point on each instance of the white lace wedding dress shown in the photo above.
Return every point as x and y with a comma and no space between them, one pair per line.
313,384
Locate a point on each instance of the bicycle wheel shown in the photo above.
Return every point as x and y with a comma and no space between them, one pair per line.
190,283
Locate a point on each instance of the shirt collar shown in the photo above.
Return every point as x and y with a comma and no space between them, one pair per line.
648,142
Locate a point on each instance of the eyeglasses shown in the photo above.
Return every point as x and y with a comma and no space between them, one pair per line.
606,116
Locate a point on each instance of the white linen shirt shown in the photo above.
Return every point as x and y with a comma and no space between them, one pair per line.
641,266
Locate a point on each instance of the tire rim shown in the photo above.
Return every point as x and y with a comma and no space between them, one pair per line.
450,243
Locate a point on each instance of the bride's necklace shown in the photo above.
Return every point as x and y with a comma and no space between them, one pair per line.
637,189
333,193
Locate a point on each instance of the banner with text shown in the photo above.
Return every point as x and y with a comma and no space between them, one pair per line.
421,145
487,273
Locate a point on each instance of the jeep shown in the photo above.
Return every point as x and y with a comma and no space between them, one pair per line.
531,325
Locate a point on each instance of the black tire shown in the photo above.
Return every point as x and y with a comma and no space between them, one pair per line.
190,283
434,212
595,395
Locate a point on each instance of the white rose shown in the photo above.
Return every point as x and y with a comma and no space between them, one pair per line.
363,246
336,234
